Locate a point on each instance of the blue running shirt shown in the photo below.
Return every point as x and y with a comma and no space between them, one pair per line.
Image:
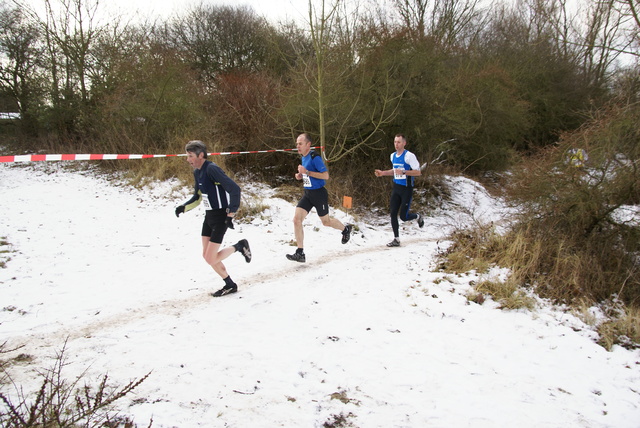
406,161
313,162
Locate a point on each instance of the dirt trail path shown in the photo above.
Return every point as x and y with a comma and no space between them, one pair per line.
36,343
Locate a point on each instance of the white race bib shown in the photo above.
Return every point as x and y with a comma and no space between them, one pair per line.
398,172
205,202
306,181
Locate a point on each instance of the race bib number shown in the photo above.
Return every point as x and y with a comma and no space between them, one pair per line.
306,181
205,202
398,172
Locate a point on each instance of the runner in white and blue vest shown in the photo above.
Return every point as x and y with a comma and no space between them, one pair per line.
405,167
313,173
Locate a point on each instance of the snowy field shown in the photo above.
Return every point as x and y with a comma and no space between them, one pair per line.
361,335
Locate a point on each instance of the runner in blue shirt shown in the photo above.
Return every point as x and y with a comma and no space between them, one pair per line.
405,167
313,174
220,197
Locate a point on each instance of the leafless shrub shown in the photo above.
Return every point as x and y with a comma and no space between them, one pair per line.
571,214
63,403
570,241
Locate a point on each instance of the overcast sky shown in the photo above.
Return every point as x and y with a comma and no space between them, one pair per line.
273,10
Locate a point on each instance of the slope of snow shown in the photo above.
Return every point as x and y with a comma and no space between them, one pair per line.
360,335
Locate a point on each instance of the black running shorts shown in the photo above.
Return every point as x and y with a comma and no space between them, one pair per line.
214,225
318,198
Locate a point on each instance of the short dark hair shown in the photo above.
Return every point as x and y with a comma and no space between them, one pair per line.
402,136
307,137
196,147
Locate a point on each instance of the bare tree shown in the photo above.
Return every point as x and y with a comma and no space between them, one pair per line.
340,91
218,39
320,26
630,10
443,20
72,30
600,45
413,14
450,20
20,52
593,36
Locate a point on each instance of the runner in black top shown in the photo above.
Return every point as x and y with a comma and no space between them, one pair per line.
220,197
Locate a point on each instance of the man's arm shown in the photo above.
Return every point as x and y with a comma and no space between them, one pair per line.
315,174
380,173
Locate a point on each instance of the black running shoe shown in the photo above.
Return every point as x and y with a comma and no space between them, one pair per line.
227,289
346,233
420,221
297,257
394,243
243,247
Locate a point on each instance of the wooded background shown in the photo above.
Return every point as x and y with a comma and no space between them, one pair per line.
469,86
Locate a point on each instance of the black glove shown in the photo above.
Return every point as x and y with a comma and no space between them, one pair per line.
179,210
229,222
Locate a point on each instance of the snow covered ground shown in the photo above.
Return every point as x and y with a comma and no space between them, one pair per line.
361,335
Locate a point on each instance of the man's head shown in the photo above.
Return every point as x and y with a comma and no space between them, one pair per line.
303,144
196,153
399,142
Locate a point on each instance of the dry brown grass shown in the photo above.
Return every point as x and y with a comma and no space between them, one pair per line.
558,268
5,251
507,293
623,330
480,249
252,207
553,268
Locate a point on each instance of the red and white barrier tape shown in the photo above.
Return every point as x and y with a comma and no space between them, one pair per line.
74,157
